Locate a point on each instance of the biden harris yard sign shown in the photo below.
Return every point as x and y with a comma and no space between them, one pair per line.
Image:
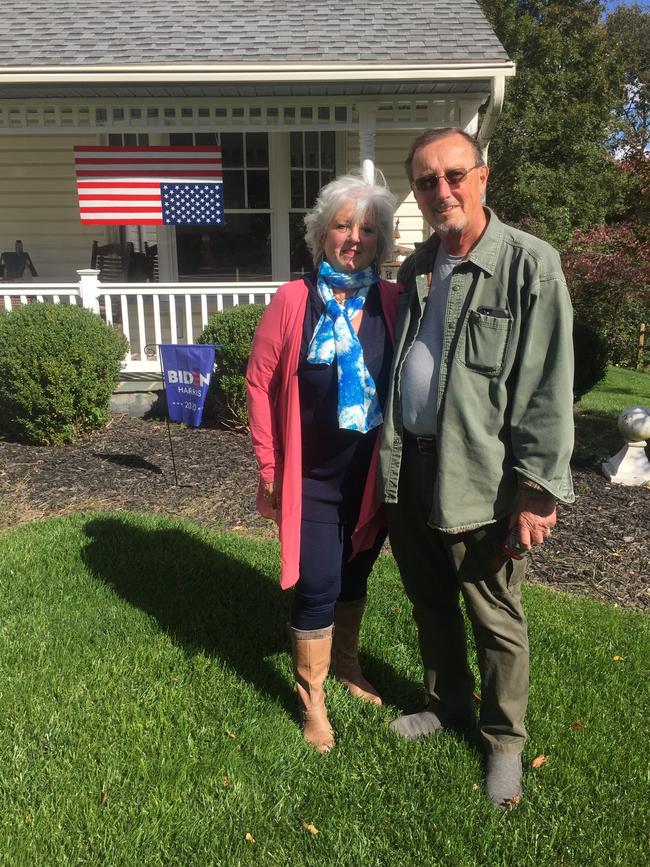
187,371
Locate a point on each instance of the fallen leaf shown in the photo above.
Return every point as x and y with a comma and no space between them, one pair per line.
618,658
475,787
103,798
225,781
311,828
538,761
511,803
249,838
231,734
614,553
577,725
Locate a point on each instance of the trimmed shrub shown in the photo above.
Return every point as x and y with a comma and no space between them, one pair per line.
58,367
233,329
591,355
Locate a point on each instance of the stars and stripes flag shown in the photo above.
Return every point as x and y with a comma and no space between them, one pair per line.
149,186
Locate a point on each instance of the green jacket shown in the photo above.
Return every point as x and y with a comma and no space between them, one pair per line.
505,395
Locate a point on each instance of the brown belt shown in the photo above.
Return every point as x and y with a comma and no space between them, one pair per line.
426,445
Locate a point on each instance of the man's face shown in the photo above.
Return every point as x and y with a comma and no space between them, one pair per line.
458,208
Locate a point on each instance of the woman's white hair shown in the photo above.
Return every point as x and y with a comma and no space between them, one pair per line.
371,199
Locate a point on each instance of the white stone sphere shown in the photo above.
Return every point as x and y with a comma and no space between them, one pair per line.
634,423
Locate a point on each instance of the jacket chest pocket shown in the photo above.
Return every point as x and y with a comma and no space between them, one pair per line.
486,339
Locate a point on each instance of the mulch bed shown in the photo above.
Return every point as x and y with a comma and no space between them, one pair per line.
601,546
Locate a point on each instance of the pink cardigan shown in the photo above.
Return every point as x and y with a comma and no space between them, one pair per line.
274,418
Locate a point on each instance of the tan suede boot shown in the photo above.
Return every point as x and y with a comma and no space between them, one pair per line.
311,650
345,650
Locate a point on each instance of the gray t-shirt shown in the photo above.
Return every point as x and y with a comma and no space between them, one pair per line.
421,368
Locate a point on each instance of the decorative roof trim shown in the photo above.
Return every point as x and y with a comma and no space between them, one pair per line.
254,72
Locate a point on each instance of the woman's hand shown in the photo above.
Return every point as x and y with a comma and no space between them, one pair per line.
272,491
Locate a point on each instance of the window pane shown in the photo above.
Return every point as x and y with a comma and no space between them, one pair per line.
328,150
240,250
311,150
296,150
232,149
233,189
181,138
300,258
257,150
258,190
313,186
297,189
326,177
206,138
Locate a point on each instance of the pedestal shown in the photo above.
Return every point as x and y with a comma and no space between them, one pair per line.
630,466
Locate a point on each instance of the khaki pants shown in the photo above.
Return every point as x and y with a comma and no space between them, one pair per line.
436,568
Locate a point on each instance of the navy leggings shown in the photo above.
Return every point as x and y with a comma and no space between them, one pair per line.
327,575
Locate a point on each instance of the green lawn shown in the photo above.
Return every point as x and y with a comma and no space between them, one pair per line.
148,718
620,388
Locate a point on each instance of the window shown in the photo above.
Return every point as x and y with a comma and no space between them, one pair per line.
117,139
313,164
241,249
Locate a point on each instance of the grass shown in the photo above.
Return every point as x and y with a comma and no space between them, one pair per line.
149,718
597,434
620,388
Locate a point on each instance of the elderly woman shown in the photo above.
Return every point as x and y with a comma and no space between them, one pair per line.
317,381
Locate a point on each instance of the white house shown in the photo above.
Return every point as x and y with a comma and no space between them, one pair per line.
293,94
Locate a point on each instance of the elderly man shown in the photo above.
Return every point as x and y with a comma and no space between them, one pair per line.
477,438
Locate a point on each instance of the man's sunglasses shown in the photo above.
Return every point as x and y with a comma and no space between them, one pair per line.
454,178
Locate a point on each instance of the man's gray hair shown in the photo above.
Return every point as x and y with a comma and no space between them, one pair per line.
430,135
371,199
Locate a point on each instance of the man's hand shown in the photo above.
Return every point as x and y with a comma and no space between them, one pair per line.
534,517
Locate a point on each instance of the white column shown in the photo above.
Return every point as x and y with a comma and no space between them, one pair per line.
89,288
367,128
280,195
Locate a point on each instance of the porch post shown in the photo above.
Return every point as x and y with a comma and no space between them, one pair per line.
280,189
89,288
367,128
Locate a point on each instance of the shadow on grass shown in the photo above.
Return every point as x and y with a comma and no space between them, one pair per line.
208,600
204,598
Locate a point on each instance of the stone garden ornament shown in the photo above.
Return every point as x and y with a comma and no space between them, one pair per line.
630,466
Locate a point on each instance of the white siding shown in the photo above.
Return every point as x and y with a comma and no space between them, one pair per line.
38,204
391,148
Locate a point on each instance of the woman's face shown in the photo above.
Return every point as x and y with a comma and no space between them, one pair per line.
350,245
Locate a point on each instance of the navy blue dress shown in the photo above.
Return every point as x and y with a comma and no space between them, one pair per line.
335,466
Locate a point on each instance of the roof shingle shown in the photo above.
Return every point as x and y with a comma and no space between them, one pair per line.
80,32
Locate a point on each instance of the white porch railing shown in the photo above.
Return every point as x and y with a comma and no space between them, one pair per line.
147,313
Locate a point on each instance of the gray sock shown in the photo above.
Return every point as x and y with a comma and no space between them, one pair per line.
503,780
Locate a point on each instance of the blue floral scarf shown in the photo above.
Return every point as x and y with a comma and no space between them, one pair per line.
358,405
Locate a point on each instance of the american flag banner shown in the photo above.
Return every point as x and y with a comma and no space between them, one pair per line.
149,186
